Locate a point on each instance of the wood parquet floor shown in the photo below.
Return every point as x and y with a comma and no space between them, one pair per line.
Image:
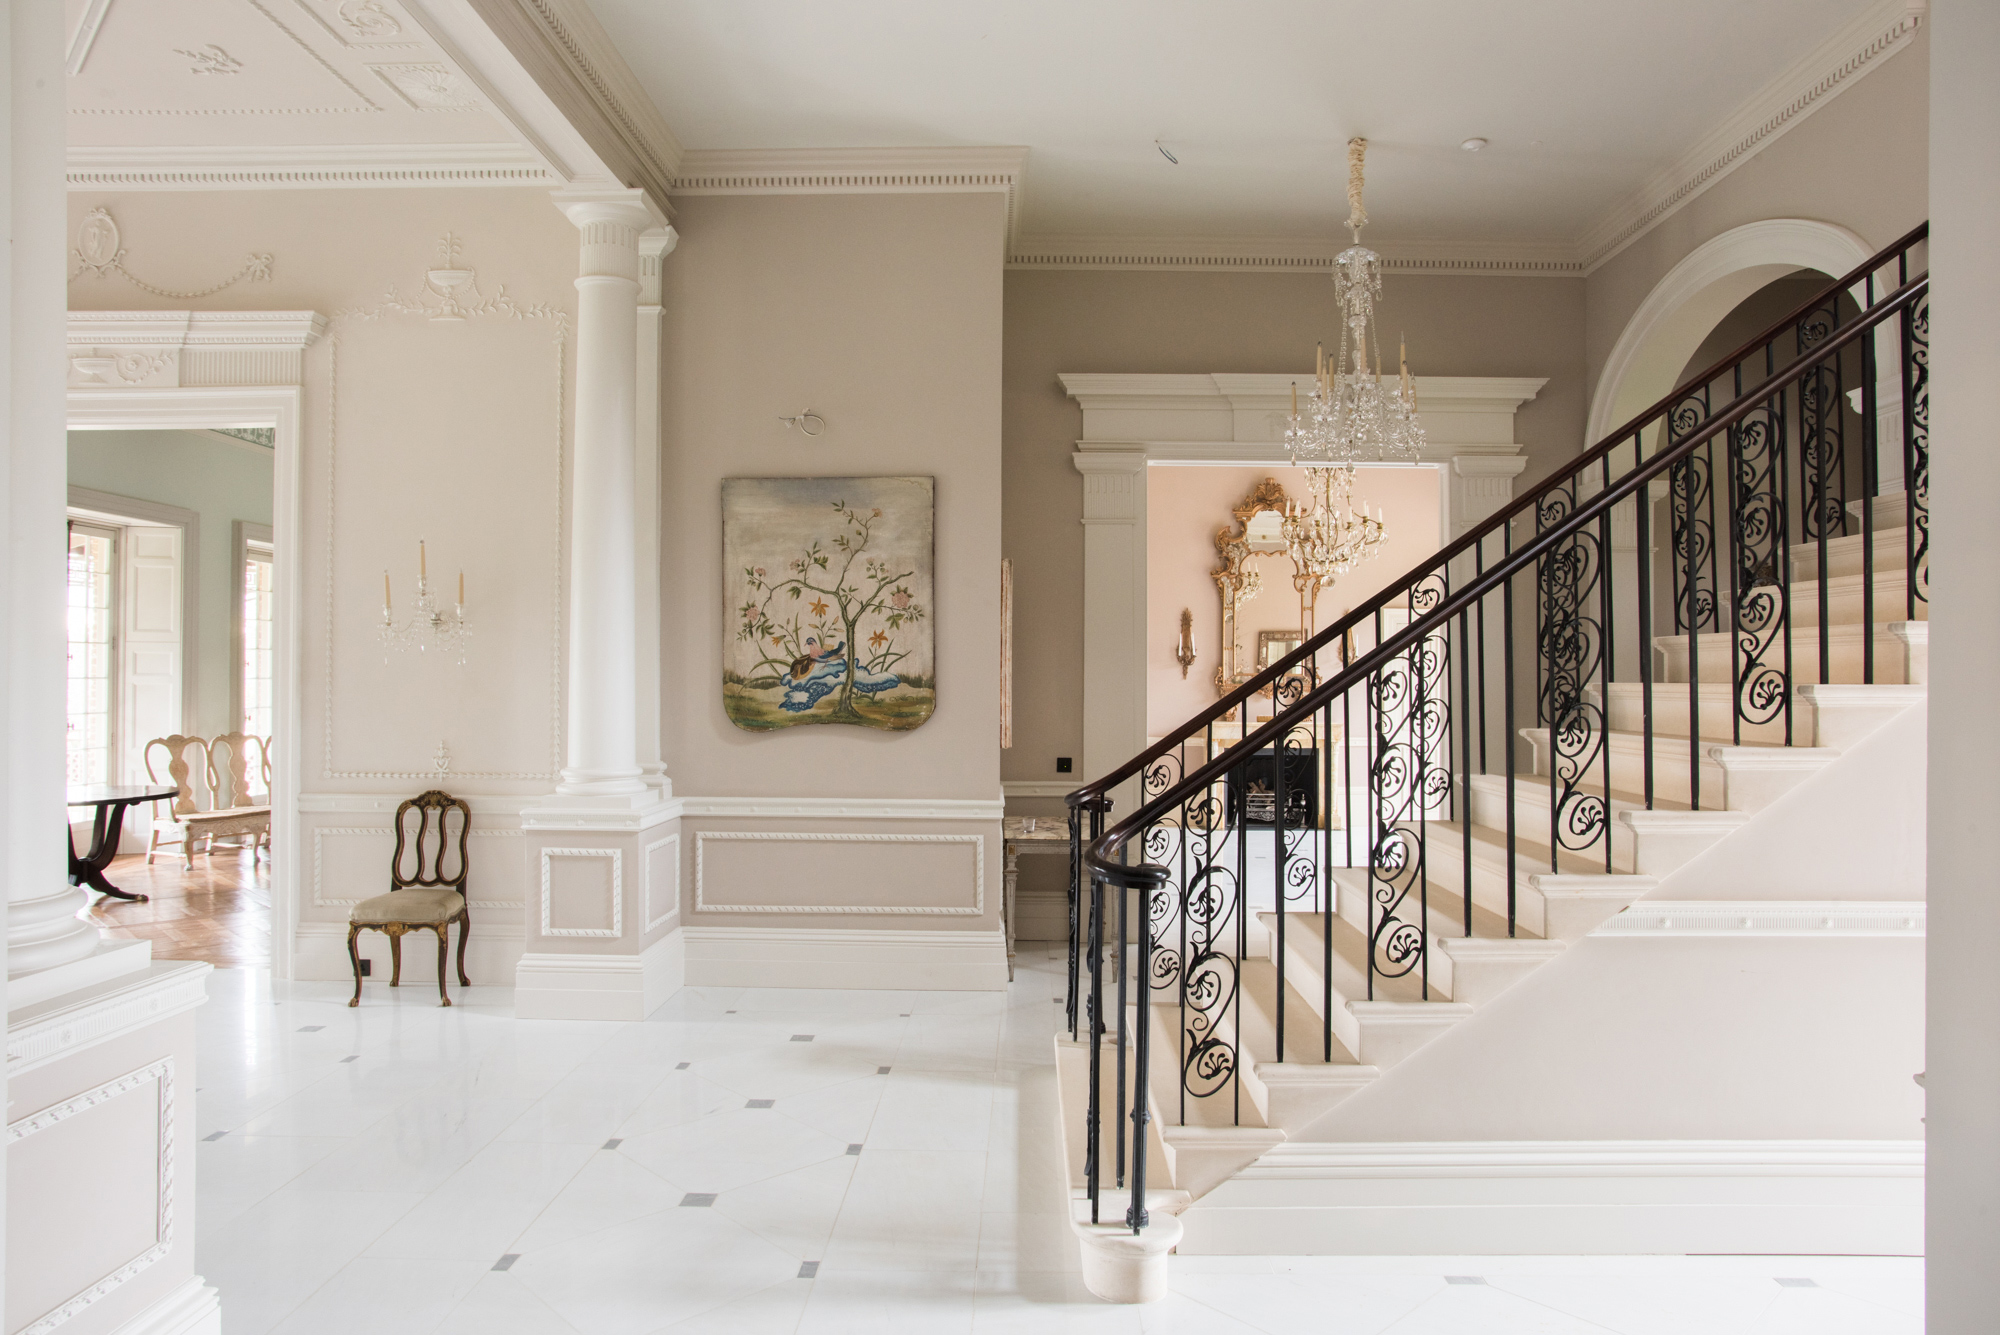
220,912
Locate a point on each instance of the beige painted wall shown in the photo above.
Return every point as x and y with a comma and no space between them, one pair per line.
1185,505
883,314
449,431
1860,161
1090,320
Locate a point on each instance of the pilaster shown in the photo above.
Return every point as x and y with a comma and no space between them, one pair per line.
1114,604
654,247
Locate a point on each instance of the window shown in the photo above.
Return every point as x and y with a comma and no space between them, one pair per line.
93,555
256,718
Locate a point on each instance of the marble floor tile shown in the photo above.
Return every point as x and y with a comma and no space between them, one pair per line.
380,1194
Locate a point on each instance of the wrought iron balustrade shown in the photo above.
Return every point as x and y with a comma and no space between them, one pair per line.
1707,543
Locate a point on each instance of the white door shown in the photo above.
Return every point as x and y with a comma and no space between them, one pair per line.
151,644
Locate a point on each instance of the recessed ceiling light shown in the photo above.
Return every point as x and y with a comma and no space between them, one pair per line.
1473,145
1166,153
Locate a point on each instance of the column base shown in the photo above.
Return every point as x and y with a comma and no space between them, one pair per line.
45,931
1121,1266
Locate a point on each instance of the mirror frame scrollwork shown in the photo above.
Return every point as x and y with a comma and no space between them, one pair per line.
1235,584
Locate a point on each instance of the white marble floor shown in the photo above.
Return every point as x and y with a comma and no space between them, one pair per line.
753,1161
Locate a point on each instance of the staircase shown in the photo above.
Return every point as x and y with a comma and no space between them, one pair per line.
1609,678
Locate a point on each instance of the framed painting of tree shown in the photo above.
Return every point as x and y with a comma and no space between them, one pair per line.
828,591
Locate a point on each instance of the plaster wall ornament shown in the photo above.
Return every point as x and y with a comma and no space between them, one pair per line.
450,294
211,59
144,368
367,18
100,253
428,87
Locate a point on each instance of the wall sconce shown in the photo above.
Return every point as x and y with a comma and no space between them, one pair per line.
1184,651
431,625
808,422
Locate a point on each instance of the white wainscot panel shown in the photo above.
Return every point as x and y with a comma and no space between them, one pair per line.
757,871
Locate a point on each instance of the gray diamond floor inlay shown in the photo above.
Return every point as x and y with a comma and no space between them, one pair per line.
507,1262
355,1058
217,1136
881,1070
614,1143
802,1038
760,1103
1464,1279
854,1149
808,1269
1798,1283
698,1200
683,1066
311,1028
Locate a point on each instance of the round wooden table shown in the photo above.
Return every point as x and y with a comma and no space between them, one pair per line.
112,801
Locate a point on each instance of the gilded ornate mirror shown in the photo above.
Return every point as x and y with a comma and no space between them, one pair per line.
1261,611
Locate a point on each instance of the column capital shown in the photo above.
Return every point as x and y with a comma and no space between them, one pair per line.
654,245
611,222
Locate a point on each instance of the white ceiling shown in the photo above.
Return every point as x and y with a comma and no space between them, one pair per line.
225,73
1582,100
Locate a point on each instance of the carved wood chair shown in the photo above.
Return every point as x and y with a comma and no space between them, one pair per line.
213,798
426,888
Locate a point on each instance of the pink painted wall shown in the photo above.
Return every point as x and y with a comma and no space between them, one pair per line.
1186,504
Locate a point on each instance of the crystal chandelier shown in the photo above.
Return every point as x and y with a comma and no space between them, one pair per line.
431,626
1351,415
1329,536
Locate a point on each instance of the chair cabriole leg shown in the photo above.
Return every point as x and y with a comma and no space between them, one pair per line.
443,931
464,927
354,957
395,931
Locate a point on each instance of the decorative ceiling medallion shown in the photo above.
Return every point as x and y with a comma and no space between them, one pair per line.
211,59
100,254
429,87
358,23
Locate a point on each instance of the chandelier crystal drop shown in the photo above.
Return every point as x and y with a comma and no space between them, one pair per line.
1351,415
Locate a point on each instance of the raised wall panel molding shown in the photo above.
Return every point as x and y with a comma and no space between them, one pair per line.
856,171
977,843
37,1036
1606,1158
1795,918
617,858
839,808
344,804
319,836
159,1076
450,306
1833,66
672,898
304,166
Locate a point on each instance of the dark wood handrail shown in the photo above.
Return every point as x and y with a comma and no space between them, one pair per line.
1096,793
1099,857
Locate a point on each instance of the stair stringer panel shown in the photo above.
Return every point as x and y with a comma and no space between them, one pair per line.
1706,1087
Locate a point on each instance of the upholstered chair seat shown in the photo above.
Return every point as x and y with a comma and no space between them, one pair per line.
416,907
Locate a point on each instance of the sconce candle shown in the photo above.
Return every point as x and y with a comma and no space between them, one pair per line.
430,626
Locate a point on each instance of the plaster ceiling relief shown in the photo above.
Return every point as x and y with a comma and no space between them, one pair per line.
254,73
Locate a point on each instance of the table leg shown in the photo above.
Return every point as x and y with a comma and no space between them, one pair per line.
1011,880
105,831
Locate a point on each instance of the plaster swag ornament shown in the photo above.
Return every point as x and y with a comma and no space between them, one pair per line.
100,252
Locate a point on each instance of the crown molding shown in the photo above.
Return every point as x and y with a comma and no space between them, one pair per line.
561,47
1291,255
1813,80
304,166
856,171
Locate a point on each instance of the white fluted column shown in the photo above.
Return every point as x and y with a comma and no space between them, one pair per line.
603,724
654,247
43,929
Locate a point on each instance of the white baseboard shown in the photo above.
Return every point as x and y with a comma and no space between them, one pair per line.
600,987
943,961
192,1309
1568,1198
319,954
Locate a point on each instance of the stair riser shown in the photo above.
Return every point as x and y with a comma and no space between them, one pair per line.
1671,781
1489,886
1845,663
1673,714
1353,907
1843,555
1531,816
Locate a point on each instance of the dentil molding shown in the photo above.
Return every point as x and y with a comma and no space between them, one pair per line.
851,171
303,166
